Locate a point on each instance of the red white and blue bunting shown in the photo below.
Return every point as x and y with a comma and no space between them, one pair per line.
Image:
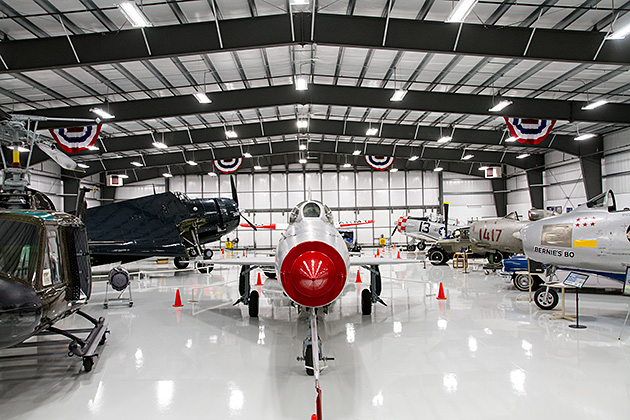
76,139
529,131
228,166
379,163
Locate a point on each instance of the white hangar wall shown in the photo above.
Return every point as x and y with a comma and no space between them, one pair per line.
469,197
564,185
518,199
616,167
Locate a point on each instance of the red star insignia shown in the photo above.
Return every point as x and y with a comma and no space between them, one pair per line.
584,224
578,220
592,223
577,224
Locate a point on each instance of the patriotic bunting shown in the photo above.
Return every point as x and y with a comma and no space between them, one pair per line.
228,166
529,131
379,163
76,139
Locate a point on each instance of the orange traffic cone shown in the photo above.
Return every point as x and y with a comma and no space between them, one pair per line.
313,416
441,292
378,252
358,277
243,253
398,257
178,300
222,251
259,282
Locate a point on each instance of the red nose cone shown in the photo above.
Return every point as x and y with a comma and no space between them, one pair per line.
313,274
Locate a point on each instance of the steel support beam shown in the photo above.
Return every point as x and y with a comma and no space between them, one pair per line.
591,167
499,190
70,191
535,184
335,30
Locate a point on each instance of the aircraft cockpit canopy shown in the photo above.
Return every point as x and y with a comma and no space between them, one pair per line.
512,216
603,200
311,210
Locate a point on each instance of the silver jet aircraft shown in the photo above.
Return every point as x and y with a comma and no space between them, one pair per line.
594,238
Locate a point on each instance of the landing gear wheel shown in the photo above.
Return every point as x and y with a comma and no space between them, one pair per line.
205,268
421,245
88,363
181,262
208,253
437,256
410,248
495,258
308,360
271,274
366,302
253,304
378,286
521,282
545,298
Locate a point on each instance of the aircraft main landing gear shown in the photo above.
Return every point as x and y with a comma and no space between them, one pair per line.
371,296
247,296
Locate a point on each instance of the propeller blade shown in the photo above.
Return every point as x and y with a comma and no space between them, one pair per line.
248,222
393,231
62,160
446,218
234,194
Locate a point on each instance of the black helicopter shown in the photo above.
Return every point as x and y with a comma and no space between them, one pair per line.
163,225
45,272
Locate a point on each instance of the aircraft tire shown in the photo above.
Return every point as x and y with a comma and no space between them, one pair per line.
308,360
546,299
421,245
437,256
521,282
366,302
253,304
180,262
208,253
411,247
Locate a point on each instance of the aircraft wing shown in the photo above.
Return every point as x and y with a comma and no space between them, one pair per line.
271,226
267,261
353,223
381,261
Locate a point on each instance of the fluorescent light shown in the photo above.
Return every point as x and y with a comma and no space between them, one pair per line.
468,156
585,136
133,14
102,113
461,11
160,145
167,175
93,147
123,176
347,165
500,106
83,165
414,157
356,153
483,168
298,2
511,139
301,83
138,164
594,105
231,134
438,169
302,146
302,161
394,170
398,95
202,98
445,139
21,149
620,33
257,167
247,155
192,163
522,156
212,174
302,123
371,132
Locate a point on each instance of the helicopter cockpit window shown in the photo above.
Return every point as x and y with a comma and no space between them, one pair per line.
19,243
311,210
52,270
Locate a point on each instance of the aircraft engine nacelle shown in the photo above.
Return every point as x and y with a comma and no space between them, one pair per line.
313,264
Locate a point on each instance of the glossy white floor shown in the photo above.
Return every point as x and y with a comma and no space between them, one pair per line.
481,354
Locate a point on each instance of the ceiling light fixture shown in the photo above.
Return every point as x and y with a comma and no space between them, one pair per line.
468,156
303,146
192,163
394,170
500,106
83,165
585,136
133,14
594,105
511,139
202,97
371,131
302,123
398,95
102,113
247,155
356,153
523,156
438,169
257,167
93,147
445,139
302,161
620,33
414,157
212,174
347,165
461,11
231,134
123,176
298,2
483,168
301,83
138,164
160,145
167,175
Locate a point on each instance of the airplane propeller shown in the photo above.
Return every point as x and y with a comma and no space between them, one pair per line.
235,198
446,205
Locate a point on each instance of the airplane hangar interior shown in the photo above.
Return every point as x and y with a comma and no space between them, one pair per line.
309,209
